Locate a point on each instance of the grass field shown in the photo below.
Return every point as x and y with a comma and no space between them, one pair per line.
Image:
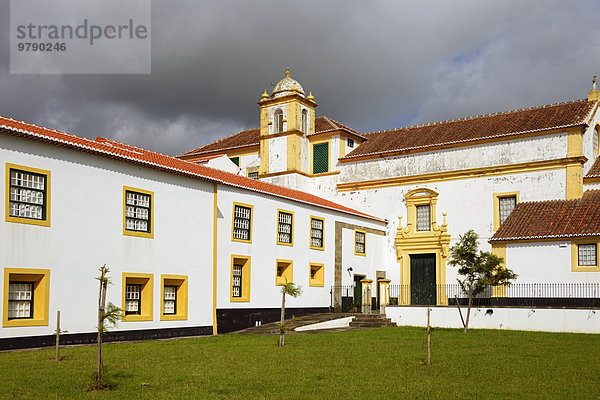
368,364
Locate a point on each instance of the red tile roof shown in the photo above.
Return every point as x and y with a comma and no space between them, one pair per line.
123,152
251,137
472,129
553,219
247,138
326,124
594,172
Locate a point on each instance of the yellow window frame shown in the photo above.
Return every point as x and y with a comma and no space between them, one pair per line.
233,220
365,244
277,228
310,233
575,267
246,271
319,279
146,295
41,295
181,282
126,232
497,197
23,220
287,274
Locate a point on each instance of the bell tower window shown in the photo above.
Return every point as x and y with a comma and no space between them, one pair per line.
278,120
305,121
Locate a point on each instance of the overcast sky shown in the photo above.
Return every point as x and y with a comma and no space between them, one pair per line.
370,64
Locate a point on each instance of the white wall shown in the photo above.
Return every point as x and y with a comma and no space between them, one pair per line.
545,262
264,251
525,319
481,155
87,231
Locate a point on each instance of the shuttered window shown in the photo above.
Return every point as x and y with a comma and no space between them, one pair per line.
320,158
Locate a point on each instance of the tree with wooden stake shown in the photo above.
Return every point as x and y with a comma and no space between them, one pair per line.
290,289
106,315
481,269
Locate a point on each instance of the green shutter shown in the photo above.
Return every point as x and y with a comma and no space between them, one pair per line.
320,158
235,160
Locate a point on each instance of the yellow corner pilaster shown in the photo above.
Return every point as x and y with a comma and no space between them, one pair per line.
214,296
499,249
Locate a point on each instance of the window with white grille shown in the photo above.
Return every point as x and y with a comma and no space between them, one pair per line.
284,227
350,143
133,298
138,211
236,282
424,218
27,195
20,300
316,233
506,204
359,242
587,254
170,300
242,218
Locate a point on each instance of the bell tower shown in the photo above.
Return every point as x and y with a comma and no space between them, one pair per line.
287,116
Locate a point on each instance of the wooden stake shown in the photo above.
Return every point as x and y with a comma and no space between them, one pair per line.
428,338
57,335
459,311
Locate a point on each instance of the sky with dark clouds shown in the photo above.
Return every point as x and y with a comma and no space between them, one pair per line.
370,64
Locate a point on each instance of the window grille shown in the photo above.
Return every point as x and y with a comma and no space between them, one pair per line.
20,300
359,242
133,299
305,121
350,143
316,233
137,211
241,222
236,283
27,195
423,218
170,300
278,116
587,254
506,204
284,227
253,175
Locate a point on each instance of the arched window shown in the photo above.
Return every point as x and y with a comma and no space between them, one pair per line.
596,139
305,121
278,120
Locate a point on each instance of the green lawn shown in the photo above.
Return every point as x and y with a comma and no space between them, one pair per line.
368,364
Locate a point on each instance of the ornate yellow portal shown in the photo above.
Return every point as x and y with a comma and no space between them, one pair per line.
422,237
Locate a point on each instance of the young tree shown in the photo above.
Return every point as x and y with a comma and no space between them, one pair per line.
110,314
480,268
290,289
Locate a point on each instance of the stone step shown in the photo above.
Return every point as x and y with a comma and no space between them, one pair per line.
371,324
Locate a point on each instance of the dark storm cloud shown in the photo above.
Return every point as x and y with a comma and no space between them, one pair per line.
372,65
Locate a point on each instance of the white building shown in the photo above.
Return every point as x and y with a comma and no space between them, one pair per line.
199,244
191,249
436,181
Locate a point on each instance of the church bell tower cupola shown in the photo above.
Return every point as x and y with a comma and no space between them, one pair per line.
287,116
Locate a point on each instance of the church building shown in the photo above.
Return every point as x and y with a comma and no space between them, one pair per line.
200,243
